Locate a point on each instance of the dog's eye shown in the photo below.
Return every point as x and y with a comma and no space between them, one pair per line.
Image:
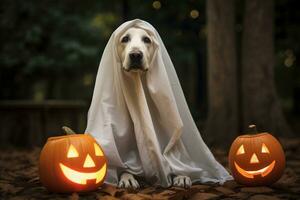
146,40
125,39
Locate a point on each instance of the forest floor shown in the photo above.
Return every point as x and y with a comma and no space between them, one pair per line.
19,180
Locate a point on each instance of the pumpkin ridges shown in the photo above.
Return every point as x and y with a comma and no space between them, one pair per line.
42,166
269,155
45,167
62,157
56,179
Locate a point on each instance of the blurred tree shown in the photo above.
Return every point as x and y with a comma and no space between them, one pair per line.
287,51
260,103
222,122
49,49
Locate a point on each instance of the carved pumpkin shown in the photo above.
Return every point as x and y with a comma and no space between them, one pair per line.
72,163
256,159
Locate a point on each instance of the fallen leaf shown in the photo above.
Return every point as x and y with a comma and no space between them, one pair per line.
74,196
107,198
200,187
148,190
224,190
256,190
133,197
167,193
263,197
203,196
34,180
240,195
110,189
145,196
8,188
231,184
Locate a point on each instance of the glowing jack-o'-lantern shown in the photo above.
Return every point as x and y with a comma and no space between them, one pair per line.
256,159
72,163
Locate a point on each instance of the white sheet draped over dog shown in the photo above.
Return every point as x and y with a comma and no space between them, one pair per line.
142,120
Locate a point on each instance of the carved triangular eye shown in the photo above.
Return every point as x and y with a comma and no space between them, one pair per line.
98,151
264,149
241,150
72,152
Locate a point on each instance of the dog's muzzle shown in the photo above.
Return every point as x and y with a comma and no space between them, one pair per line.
136,60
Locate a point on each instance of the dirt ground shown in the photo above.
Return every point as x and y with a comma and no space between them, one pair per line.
19,180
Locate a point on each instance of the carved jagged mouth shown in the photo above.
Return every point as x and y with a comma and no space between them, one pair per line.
250,174
80,177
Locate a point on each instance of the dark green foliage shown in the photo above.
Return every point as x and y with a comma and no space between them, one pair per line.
51,45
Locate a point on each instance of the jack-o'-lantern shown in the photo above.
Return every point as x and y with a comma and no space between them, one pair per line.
72,163
256,159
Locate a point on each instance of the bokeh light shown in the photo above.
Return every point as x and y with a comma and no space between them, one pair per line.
194,14
156,5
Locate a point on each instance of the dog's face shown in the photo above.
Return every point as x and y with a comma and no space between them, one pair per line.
135,48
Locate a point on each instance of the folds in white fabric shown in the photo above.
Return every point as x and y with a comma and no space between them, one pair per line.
143,122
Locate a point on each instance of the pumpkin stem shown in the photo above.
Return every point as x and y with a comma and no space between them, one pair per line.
252,127
68,130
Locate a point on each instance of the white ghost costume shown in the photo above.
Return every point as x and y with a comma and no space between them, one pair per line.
142,120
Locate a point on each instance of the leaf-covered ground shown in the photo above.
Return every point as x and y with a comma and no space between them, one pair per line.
19,180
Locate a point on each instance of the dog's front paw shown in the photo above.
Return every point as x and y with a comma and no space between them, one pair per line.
128,181
182,181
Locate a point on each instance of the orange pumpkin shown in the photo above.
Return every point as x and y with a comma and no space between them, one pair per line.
72,163
256,159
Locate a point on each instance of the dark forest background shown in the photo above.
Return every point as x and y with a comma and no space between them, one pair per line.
236,60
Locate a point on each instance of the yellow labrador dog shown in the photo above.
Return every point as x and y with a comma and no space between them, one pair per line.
135,48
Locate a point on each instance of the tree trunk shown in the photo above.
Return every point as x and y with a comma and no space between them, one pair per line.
222,122
260,103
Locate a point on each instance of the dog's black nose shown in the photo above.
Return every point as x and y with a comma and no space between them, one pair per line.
136,56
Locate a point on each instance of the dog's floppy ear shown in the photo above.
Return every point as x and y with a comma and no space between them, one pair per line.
116,44
116,47
155,47
153,38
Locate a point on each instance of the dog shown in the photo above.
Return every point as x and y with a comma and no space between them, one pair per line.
135,49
